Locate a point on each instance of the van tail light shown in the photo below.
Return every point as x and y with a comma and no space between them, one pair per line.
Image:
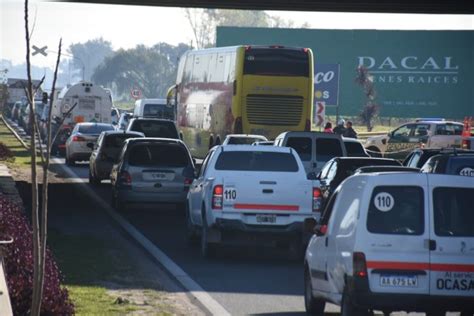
466,144
238,125
125,179
317,199
359,265
307,126
217,197
78,139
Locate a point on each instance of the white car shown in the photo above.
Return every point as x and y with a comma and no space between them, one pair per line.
257,194
394,241
243,139
77,148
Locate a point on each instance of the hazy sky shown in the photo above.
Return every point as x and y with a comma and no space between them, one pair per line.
127,26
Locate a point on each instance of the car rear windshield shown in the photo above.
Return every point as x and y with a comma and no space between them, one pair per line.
276,62
396,210
158,155
256,161
151,128
462,165
302,145
453,211
95,128
157,110
116,140
354,149
328,148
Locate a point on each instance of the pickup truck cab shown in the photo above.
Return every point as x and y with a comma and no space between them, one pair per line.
394,242
251,194
427,133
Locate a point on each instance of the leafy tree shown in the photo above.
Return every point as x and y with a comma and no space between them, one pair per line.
87,56
150,69
371,109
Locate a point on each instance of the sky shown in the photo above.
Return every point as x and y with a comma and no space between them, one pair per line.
127,26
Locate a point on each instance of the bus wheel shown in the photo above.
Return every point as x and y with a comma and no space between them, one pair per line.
211,142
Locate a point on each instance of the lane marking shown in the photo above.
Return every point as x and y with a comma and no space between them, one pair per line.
174,269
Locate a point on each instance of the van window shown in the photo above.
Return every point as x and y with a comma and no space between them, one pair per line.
256,161
453,215
152,128
328,148
396,210
158,155
302,145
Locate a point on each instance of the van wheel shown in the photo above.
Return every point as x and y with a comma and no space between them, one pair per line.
208,250
313,306
348,308
192,236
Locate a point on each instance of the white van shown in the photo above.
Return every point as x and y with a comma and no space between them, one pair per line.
390,242
156,108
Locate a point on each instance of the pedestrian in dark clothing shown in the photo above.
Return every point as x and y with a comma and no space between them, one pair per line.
349,132
328,128
340,129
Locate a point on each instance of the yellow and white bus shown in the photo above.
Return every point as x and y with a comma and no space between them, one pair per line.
262,90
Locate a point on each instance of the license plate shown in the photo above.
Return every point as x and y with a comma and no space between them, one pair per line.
399,280
158,176
269,219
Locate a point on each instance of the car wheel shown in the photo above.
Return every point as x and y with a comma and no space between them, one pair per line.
348,308
313,306
191,234
69,161
208,250
92,179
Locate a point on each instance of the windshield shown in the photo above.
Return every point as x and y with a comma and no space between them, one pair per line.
276,62
256,161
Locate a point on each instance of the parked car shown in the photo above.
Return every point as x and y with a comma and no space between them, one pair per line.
154,127
242,139
432,133
354,148
242,194
105,153
314,148
454,163
123,121
394,242
39,106
81,135
21,114
418,157
151,170
336,170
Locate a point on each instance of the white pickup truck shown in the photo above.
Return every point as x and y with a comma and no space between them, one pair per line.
252,195
426,133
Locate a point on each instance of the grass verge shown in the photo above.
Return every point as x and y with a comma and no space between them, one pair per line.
21,158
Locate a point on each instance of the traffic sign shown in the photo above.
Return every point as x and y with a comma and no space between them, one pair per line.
41,50
136,93
319,113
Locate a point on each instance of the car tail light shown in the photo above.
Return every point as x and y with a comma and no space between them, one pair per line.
238,125
125,178
359,265
307,126
217,197
78,139
466,144
317,199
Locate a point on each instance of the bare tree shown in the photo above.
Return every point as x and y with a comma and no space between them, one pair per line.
203,26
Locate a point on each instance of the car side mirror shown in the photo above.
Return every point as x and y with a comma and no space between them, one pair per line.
90,145
320,230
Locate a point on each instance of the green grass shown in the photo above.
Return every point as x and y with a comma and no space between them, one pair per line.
22,156
128,106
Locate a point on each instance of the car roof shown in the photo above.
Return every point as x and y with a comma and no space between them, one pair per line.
114,132
302,133
93,123
349,159
246,136
256,148
156,140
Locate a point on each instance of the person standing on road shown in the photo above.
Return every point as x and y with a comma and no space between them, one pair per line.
328,128
349,131
340,129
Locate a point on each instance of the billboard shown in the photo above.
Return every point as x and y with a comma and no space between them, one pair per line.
416,73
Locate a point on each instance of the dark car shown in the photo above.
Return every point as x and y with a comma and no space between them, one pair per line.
338,169
373,169
154,127
461,164
418,157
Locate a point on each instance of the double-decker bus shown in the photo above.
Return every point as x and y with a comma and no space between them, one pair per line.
262,90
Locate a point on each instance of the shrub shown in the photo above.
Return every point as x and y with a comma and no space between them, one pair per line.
18,263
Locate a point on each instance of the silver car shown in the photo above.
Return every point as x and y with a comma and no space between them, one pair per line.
151,170
105,153
81,135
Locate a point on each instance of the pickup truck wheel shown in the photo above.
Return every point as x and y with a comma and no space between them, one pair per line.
349,309
191,233
313,306
208,250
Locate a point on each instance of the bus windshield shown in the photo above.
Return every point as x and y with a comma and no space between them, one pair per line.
276,62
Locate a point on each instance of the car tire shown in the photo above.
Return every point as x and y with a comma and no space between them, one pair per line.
208,250
313,306
69,161
348,308
192,235
92,179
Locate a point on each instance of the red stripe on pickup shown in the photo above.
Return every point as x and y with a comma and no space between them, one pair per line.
420,266
267,207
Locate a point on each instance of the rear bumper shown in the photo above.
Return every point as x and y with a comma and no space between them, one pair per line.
81,156
363,297
134,197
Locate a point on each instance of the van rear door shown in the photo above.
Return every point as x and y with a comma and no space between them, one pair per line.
452,236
